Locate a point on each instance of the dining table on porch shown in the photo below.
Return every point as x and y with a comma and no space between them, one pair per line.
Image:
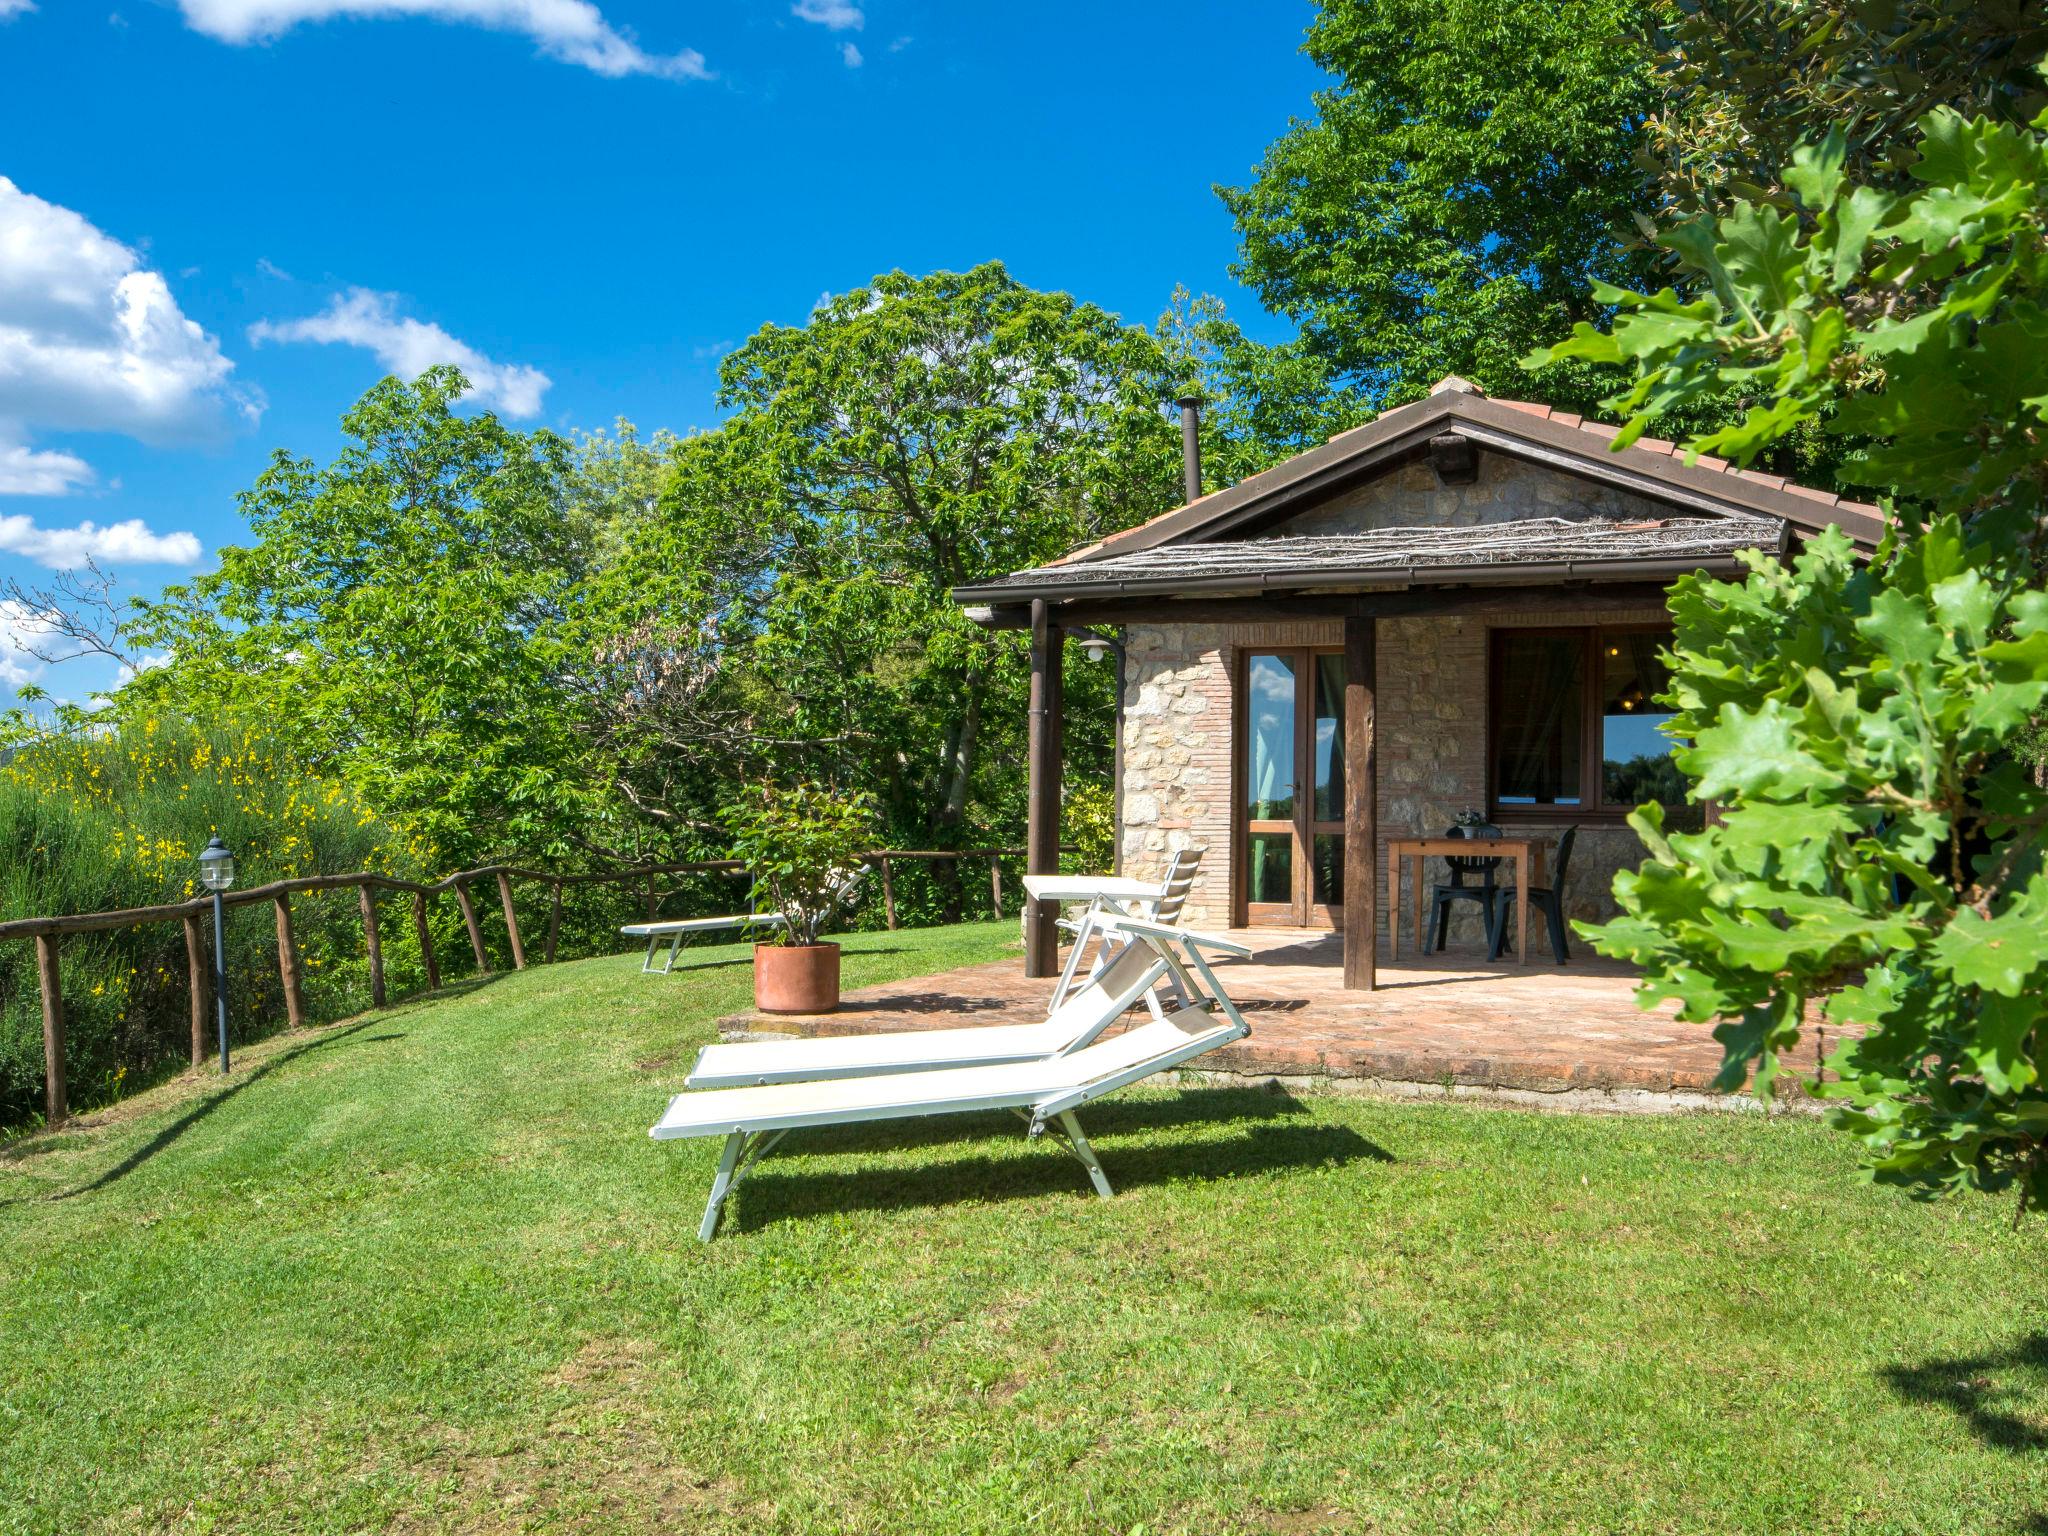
1526,852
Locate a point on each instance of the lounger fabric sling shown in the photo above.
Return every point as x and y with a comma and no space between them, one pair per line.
1076,1023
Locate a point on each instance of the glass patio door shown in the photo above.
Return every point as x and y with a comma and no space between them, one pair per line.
1291,773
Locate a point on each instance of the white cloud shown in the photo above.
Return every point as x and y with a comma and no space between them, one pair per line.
26,471
852,56
836,14
21,628
9,9
125,543
573,31
91,340
363,318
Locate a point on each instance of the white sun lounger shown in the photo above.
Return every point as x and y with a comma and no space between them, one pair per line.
1076,1023
675,931
1045,1093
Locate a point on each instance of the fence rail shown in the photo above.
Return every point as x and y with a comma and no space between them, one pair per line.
48,933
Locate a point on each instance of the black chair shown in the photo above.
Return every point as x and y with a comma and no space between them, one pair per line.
1547,899
1482,872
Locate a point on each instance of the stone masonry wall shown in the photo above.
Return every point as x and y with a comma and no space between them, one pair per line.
1431,739
1505,490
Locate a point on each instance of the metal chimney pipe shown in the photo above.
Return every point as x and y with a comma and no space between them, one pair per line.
1191,444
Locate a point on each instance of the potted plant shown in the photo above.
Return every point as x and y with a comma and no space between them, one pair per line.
803,845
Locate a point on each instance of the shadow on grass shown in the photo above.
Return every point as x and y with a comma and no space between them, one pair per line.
772,1195
1983,1391
238,1081
1103,1122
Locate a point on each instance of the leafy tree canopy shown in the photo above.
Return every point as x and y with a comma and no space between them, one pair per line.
1746,82
1467,175
399,611
1880,864
918,433
516,643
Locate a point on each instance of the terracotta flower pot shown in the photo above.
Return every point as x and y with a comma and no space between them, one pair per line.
796,978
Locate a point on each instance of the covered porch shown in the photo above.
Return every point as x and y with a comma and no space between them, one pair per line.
1440,1024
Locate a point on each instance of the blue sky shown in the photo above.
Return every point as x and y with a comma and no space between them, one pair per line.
224,219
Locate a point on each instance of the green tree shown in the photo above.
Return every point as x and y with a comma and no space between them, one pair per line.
1470,170
400,613
1746,82
1881,857
917,434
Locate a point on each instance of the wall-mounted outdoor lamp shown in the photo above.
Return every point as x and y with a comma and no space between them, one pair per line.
217,873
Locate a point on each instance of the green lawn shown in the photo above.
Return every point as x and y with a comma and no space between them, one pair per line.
424,1271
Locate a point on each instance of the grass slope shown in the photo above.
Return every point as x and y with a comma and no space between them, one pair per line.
424,1271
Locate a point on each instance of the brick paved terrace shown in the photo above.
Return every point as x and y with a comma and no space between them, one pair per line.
1566,1037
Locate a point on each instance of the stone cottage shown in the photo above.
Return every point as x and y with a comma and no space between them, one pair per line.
1454,608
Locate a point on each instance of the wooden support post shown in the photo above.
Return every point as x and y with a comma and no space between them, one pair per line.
288,963
372,943
511,921
198,984
554,918
1042,835
995,883
1361,806
426,937
476,932
56,1104
888,893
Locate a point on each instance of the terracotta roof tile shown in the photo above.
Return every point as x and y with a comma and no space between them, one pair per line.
1828,497
1534,408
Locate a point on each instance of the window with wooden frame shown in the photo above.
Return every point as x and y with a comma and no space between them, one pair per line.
1573,725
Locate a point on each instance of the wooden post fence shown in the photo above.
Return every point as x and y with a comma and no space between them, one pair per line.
367,895
511,920
55,1106
199,982
48,933
288,964
476,932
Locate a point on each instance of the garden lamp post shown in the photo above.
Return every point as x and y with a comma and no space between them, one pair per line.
217,873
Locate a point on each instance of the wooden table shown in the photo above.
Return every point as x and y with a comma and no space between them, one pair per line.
1527,852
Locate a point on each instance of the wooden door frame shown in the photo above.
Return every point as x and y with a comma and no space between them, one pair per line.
1319,916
